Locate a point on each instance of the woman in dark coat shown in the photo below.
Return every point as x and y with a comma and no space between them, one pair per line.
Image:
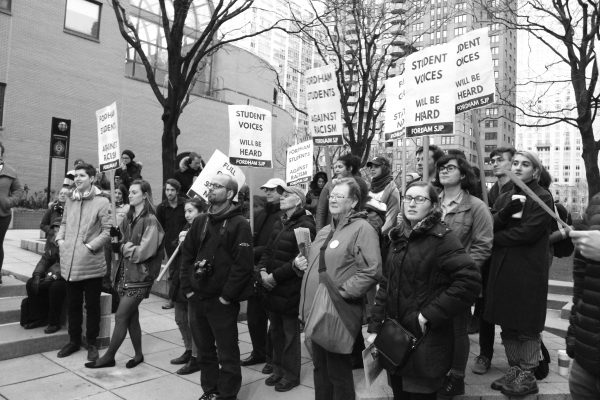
316,186
282,286
428,280
518,277
130,170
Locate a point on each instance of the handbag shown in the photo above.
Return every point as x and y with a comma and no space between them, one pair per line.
394,343
332,322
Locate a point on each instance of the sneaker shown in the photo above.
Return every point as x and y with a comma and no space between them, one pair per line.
482,365
523,385
510,376
68,349
453,386
208,396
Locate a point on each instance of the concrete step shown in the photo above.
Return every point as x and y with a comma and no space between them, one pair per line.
560,287
10,309
556,324
12,287
18,342
34,245
557,301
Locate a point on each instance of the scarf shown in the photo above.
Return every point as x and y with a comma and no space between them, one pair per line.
378,184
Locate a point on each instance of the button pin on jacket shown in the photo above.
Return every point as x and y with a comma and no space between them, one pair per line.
334,244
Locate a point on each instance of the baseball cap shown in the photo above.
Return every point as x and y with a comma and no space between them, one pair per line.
273,183
378,161
293,190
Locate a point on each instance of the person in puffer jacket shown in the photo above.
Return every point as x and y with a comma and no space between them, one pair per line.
84,230
583,335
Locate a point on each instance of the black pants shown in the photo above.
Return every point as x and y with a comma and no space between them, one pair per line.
400,394
47,304
4,223
487,330
91,289
214,330
285,336
332,375
257,327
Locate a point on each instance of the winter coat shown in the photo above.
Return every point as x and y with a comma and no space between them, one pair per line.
471,221
312,201
227,246
51,221
428,272
277,259
390,197
172,221
175,292
352,258
141,250
264,220
323,217
85,221
130,174
10,190
185,175
518,280
497,190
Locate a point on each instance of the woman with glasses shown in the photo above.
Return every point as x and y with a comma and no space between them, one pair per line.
518,279
347,250
428,279
471,221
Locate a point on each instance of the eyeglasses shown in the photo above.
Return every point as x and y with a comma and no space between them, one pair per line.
214,186
417,199
448,168
336,197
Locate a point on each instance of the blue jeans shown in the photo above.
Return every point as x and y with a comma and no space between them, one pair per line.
214,329
582,384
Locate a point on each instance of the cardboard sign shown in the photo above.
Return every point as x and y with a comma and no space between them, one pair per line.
474,82
299,166
250,136
218,164
323,106
109,153
395,93
429,100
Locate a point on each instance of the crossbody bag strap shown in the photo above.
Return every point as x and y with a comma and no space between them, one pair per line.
322,266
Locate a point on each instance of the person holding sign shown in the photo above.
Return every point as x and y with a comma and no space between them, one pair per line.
518,280
216,269
84,230
471,221
281,295
140,250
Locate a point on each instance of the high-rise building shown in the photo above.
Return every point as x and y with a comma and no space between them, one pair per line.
289,54
440,21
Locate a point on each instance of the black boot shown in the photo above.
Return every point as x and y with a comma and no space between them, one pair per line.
192,366
182,359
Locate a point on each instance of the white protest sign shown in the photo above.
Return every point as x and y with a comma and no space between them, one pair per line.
323,106
299,166
218,164
109,154
250,136
430,93
394,106
474,82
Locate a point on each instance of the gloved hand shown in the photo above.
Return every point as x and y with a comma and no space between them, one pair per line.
115,232
511,208
35,284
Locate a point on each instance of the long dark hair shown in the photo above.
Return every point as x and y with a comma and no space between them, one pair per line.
148,206
123,189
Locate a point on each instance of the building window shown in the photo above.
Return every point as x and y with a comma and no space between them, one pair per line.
5,6
495,51
491,123
491,135
82,17
2,90
494,39
459,31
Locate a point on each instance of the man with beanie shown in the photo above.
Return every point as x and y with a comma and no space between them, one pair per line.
257,315
84,230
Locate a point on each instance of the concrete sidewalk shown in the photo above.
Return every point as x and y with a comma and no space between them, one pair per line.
44,376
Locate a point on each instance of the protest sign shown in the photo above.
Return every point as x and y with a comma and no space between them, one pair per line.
250,136
430,94
109,154
299,166
394,106
324,107
218,164
474,82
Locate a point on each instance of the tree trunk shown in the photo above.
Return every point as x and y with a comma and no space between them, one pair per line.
169,144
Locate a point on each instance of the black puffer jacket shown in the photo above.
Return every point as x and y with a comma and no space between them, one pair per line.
278,257
263,226
427,272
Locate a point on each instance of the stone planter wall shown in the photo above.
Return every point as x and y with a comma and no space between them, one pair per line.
26,219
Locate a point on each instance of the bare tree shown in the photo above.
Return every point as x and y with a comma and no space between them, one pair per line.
185,60
568,29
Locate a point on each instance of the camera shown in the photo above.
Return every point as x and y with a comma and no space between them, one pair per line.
203,269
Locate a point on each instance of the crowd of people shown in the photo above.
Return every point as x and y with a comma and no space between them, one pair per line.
421,259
